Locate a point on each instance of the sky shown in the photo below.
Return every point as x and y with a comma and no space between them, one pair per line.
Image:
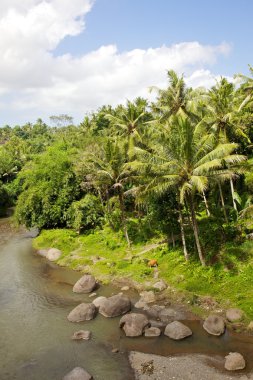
73,56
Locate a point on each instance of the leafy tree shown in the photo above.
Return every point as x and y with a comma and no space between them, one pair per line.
49,187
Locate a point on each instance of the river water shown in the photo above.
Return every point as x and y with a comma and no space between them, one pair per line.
35,298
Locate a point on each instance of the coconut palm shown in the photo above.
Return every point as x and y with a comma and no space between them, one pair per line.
128,120
107,171
185,160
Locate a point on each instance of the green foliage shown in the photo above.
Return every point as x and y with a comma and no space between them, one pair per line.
85,214
49,187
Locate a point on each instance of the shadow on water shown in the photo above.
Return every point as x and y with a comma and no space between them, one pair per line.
35,298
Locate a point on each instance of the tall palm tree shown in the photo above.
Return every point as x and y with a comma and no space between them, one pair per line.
185,159
108,172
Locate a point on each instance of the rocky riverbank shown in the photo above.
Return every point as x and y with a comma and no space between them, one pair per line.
153,319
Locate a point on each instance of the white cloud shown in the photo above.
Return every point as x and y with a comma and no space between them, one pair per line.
34,83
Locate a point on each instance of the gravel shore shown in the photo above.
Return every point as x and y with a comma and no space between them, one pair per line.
183,367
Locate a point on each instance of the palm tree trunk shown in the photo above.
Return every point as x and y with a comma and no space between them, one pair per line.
196,232
173,239
233,192
222,202
186,254
206,204
123,218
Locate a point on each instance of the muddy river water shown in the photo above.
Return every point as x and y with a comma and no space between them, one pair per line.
35,298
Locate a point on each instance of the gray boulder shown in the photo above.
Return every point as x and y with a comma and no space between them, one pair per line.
81,334
214,325
83,312
152,332
53,254
140,305
234,315
78,373
42,252
234,361
99,301
115,306
177,330
160,285
153,311
168,315
85,284
147,296
133,324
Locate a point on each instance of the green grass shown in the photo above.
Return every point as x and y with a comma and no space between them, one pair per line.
229,281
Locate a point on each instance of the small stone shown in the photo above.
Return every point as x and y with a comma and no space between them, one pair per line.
152,332
234,361
115,350
214,325
78,373
234,315
53,254
92,295
81,334
177,330
125,288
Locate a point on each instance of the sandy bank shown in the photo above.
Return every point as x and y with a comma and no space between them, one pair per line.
183,367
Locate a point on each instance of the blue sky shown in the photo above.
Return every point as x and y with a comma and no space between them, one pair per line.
62,56
132,24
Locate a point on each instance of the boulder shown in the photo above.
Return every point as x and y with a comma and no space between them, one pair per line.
154,323
234,315
99,301
42,252
83,312
53,254
153,311
177,330
81,334
115,306
85,284
152,332
167,315
133,324
160,285
214,325
147,296
78,373
250,326
234,361
140,304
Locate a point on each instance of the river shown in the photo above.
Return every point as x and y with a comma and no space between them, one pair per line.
35,336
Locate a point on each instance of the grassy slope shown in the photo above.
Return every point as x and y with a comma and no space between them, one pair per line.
233,286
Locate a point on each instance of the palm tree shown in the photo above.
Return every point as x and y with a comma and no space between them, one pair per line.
129,119
108,172
185,159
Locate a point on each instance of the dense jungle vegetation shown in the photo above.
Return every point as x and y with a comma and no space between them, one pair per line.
178,169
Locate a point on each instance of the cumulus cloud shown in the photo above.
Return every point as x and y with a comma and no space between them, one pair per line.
34,82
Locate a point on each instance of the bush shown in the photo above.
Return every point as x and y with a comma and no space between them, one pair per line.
85,214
